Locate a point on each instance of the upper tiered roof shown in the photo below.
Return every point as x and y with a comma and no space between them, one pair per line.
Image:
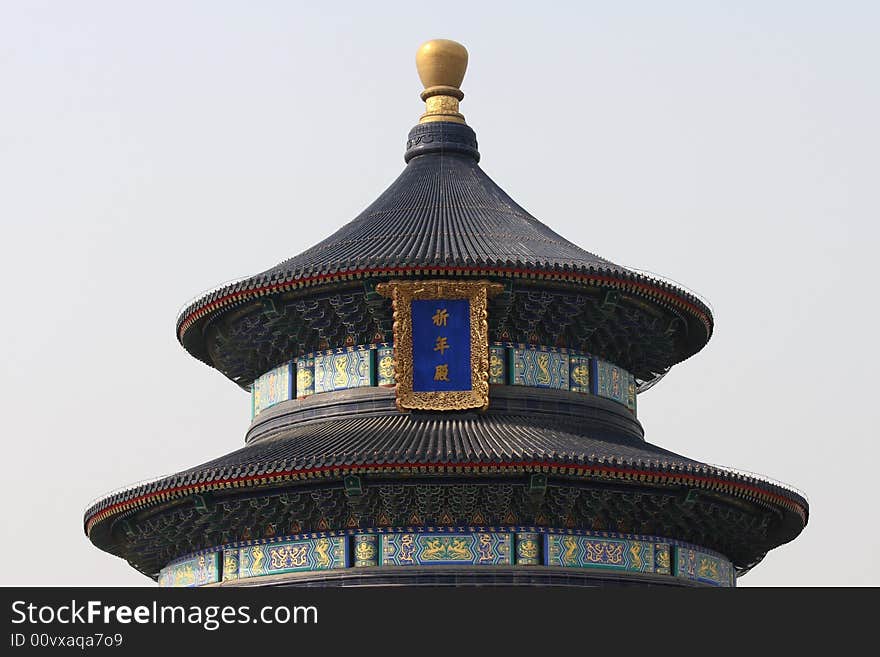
443,210
444,216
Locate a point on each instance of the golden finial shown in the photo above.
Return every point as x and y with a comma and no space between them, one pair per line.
441,64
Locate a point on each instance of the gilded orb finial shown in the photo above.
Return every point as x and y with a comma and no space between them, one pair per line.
441,64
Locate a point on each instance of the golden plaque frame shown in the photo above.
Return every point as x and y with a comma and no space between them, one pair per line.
402,294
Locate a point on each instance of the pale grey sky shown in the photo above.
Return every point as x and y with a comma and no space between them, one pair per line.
151,150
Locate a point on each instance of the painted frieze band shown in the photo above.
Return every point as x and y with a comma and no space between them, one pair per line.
366,550
509,364
273,387
538,368
528,549
326,553
703,567
342,369
606,553
197,570
452,546
422,549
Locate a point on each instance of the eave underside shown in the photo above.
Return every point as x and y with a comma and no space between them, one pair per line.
150,539
250,337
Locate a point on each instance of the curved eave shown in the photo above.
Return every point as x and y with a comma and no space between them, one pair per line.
231,296
707,478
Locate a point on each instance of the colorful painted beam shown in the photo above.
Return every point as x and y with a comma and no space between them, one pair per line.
344,368
606,552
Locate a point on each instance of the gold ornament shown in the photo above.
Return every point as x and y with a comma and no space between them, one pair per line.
402,294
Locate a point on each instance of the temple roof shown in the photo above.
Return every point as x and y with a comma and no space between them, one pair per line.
524,429
442,210
443,216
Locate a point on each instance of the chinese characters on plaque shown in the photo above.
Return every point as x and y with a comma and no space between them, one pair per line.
441,345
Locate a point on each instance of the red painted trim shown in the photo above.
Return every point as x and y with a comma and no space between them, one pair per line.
506,466
195,314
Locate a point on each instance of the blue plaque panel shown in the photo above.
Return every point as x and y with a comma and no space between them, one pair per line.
441,345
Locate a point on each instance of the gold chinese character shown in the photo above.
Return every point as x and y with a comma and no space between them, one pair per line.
439,318
441,345
441,373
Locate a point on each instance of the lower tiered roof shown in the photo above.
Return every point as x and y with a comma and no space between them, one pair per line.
579,441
